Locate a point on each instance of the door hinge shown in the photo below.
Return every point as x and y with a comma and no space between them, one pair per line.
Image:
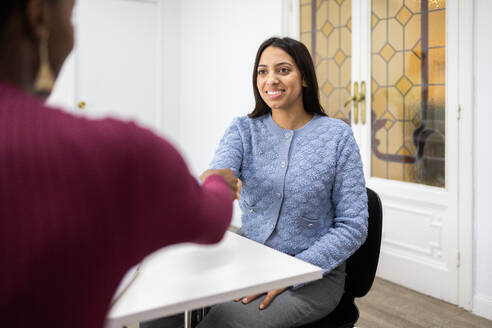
459,113
458,259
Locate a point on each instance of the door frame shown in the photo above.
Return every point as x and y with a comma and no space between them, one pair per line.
465,29
460,11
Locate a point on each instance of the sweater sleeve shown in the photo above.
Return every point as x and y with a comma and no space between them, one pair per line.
349,198
229,153
167,203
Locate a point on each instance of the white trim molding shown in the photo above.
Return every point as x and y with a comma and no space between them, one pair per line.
482,306
466,155
291,19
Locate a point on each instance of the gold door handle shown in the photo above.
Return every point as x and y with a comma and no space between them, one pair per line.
354,98
362,101
81,104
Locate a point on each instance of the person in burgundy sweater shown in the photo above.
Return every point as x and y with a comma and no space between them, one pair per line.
81,201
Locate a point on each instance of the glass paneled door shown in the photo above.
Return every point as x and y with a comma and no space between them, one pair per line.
326,29
408,62
383,67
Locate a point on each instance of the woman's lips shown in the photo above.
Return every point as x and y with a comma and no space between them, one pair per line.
274,94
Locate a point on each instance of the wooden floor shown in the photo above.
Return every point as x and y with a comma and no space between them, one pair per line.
391,306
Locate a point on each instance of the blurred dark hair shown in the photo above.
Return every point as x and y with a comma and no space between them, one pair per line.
8,7
302,58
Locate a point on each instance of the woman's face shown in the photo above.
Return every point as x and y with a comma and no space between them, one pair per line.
61,32
279,80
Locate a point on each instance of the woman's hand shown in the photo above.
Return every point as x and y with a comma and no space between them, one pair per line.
234,183
268,298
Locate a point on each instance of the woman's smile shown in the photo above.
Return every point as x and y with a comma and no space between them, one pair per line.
275,94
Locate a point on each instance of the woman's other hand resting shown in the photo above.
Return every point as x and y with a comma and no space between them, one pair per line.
228,175
270,295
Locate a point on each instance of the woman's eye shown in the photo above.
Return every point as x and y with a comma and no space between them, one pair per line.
261,72
284,70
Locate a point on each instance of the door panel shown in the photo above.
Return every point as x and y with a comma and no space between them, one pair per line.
117,62
413,156
326,29
402,52
408,91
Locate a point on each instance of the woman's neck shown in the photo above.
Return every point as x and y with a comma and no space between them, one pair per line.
291,120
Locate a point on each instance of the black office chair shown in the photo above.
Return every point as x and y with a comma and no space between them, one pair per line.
361,270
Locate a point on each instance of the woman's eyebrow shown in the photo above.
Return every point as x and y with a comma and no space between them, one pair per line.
284,63
279,64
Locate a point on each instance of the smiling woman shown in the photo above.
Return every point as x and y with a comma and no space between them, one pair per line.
303,189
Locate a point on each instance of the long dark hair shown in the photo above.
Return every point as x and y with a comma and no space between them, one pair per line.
10,7
302,58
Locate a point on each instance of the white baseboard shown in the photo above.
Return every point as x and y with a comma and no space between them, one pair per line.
482,306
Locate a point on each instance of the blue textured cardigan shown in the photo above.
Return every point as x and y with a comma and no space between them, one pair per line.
303,190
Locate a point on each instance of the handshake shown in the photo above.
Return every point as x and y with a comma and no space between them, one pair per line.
234,183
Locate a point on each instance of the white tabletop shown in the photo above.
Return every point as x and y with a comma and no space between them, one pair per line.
187,276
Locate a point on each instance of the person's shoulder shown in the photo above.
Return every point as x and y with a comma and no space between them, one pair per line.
245,120
245,123
78,127
333,125
330,121
107,135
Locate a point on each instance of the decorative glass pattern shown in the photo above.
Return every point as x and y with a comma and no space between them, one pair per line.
408,90
326,30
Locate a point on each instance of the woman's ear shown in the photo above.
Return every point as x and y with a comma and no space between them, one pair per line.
304,84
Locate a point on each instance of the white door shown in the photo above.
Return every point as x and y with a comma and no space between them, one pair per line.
115,69
403,55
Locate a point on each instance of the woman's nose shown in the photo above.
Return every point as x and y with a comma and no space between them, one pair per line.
272,79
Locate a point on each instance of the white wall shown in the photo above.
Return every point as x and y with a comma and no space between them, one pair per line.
219,40
171,69
482,300
218,44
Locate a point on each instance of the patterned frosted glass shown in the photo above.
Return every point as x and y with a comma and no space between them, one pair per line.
326,30
408,90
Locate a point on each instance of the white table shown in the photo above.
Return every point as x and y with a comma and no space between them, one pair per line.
187,276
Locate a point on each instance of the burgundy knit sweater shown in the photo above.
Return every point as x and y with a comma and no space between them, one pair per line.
81,201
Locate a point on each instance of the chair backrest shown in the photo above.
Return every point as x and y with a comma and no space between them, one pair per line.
361,266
